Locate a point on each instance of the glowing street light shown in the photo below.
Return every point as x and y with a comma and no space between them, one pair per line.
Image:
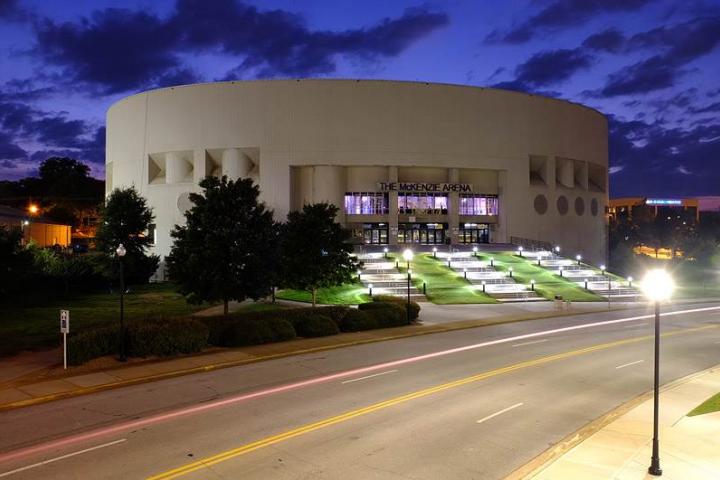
385,251
539,258
465,273
561,270
578,257
586,284
629,279
359,274
657,286
370,287
532,285
510,270
409,276
408,256
483,285
475,249
557,249
602,269
520,251
434,252
33,209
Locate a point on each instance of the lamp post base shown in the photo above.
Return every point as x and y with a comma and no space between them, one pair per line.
655,470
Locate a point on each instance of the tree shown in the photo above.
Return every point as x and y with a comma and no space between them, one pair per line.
315,250
125,219
228,248
15,261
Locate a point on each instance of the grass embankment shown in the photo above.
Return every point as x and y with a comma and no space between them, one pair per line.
348,294
710,405
443,285
33,323
547,284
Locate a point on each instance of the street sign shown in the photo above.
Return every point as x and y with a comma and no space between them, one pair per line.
64,321
64,329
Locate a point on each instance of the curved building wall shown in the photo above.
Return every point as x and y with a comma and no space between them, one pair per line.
545,160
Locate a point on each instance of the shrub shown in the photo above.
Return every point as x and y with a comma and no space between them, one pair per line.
414,307
311,322
166,337
93,343
386,314
357,320
237,331
336,312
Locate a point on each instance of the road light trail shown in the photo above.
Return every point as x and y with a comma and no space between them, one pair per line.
182,412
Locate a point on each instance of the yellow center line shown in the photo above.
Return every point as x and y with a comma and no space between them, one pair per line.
265,442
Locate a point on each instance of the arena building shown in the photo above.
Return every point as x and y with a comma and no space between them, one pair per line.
406,162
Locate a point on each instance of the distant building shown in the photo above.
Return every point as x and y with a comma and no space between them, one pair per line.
44,232
642,207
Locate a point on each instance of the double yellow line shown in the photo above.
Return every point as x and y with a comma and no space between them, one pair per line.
265,442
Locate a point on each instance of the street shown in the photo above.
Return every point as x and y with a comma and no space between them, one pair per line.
475,403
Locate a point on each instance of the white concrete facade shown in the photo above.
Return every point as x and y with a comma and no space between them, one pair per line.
543,160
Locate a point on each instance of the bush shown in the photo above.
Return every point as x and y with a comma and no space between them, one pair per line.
357,320
312,322
414,307
166,337
238,331
336,312
93,343
386,314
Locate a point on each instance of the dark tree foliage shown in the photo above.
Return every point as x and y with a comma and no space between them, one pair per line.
316,250
228,248
64,189
125,219
15,260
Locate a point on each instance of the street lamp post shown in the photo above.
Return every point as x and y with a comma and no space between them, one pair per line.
520,251
370,285
359,274
475,249
510,270
121,253
561,270
629,279
657,286
532,285
385,252
465,273
407,307
408,256
434,252
578,258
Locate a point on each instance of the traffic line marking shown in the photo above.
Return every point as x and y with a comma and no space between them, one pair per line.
628,364
311,427
62,457
174,414
368,376
512,407
529,343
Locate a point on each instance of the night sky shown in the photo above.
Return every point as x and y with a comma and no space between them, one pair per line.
653,67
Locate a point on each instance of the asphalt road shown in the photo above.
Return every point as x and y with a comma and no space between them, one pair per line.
473,403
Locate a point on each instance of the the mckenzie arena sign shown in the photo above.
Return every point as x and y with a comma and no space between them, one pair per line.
424,187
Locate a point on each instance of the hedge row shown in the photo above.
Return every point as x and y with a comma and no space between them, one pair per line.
158,337
164,337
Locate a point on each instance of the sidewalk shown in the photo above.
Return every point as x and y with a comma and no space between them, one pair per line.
689,446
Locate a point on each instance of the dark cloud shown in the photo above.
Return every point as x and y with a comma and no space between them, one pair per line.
11,10
9,150
647,158
680,44
713,107
114,50
562,14
610,40
547,68
117,50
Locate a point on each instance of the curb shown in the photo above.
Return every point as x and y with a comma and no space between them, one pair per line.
466,324
549,456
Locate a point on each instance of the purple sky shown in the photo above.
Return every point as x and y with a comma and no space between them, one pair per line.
652,66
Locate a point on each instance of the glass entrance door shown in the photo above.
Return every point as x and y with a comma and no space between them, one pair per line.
477,233
422,233
375,234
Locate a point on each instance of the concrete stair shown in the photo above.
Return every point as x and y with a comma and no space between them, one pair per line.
386,279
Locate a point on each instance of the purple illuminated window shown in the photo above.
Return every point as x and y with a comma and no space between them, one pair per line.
475,204
366,203
422,202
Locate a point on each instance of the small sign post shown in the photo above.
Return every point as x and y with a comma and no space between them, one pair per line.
64,329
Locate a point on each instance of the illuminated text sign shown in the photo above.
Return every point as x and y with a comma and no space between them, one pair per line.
423,187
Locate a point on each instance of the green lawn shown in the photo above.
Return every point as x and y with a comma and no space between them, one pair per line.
547,284
710,405
34,323
443,285
348,294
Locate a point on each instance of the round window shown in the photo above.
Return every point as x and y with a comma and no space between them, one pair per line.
562,205
540,204
579,206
